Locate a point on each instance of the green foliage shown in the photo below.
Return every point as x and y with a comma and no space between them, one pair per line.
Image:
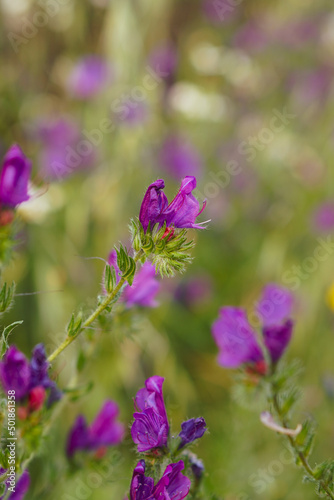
74,326
4,337
6,296
168,249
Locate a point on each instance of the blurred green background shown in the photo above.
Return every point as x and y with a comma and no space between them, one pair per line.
237,65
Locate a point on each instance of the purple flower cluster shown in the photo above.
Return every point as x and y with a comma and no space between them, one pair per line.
151,428
179,156
105,430
14,178
237,340
30,380
144,288
21,486
181,212
173,485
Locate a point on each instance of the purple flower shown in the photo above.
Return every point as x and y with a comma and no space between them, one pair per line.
150,428
21,487
274,308
141,486
219,11
144,288
16,373
173,485
192,429
323,218
181,212
154,202
235,338
15,174
275,304
163,61
65,149
131,113
104,431
179,157
251,38
197,466
90,75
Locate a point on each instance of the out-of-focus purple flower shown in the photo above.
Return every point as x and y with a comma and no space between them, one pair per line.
277,338
195,291
275,304
274,309
251,38
15,174
323,218
65,149
144,288
310,87
298,33
192,429
163,61
179,157
104,431
131,113
173,485
89,76
150,428
235,338
197,466
21,486
219,11
16,373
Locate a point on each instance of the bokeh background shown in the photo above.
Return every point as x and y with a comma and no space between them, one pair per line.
244,100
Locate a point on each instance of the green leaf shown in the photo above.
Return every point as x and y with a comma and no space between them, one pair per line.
74,325
6,296
4,336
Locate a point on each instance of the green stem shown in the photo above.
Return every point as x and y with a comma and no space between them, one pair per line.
93,316
303,460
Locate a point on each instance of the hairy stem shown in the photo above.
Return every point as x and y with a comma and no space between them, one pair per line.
302,458
109,298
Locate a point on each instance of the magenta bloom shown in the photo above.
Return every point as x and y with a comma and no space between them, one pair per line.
180,213
172,486
16,373
251,38
275,308
236,338
150,428
66,150
15,174
219,11
192,429
89,76
323,218
163,61
21,487
179,157
104,431
144,288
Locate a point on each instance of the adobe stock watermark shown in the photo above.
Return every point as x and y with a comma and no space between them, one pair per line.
224,8
30,27
104,472
121,107
248,149
294,276
265,476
